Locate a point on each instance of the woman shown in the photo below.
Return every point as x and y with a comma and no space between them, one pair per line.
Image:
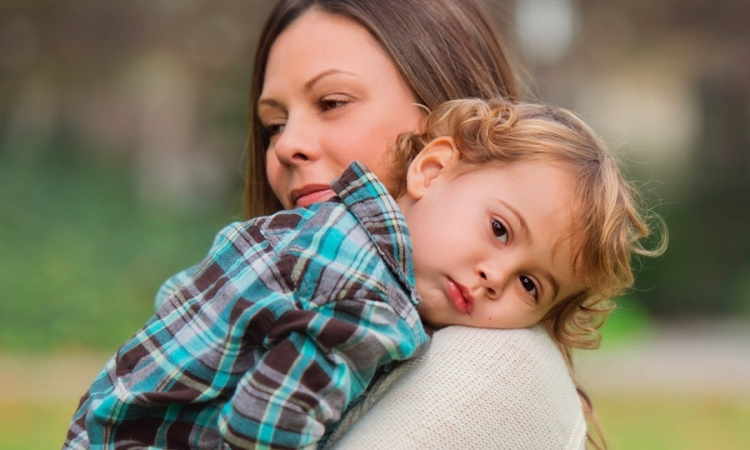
338,80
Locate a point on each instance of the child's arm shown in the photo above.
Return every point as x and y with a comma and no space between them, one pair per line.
173,283
233,356
320,362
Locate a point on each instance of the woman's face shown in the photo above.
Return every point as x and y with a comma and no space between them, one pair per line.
331,96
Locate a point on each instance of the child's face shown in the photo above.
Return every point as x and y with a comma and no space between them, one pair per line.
490,247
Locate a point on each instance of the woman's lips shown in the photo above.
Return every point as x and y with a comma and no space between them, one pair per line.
313,194
460,297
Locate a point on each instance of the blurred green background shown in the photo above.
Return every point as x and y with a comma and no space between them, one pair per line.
122,134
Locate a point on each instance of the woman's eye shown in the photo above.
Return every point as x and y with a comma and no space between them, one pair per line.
327,104
500,232
272,129
530,287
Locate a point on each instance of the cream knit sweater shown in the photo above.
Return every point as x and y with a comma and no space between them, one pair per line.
474,389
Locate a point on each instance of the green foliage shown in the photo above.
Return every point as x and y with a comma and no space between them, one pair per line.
82,256
704,271
629,322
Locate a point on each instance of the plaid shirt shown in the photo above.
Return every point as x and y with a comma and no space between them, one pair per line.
281,327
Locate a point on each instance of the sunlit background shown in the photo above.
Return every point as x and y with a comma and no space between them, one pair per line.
122,136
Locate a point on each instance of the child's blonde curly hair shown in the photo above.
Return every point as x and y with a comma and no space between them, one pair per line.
611,224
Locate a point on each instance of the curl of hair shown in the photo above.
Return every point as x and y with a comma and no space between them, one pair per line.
610,223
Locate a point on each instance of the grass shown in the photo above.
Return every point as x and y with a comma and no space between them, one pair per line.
647,420
26,425
683,422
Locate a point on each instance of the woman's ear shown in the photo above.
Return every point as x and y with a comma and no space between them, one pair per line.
429,165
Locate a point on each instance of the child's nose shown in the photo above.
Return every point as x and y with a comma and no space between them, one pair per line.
492,281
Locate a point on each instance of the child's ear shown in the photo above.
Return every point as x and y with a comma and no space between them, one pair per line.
429,165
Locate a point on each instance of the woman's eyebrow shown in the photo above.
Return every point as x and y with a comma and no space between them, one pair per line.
312,81
308,86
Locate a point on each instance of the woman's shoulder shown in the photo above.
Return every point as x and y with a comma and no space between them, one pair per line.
521,363
513,351
475,388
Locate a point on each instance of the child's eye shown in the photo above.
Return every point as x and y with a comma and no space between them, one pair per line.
329,103
499,230
530,287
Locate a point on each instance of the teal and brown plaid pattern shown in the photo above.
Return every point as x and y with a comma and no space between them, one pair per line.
271,337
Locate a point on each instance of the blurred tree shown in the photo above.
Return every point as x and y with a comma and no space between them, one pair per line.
705,269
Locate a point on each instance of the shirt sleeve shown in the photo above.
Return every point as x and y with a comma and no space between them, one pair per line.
317,363
233,356
173,283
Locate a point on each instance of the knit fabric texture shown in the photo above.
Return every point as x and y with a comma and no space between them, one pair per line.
474,389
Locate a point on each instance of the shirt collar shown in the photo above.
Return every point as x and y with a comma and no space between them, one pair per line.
368,199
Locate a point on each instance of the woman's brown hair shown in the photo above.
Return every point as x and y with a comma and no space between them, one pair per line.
444,50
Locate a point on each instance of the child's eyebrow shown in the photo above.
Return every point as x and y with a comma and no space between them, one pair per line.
520,218
553,281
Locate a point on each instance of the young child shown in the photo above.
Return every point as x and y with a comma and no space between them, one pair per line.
504,216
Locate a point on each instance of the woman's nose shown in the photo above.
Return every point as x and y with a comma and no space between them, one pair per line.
295,144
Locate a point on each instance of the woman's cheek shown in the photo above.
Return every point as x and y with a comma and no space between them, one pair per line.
275,175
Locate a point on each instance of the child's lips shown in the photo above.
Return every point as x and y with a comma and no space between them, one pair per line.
460,297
